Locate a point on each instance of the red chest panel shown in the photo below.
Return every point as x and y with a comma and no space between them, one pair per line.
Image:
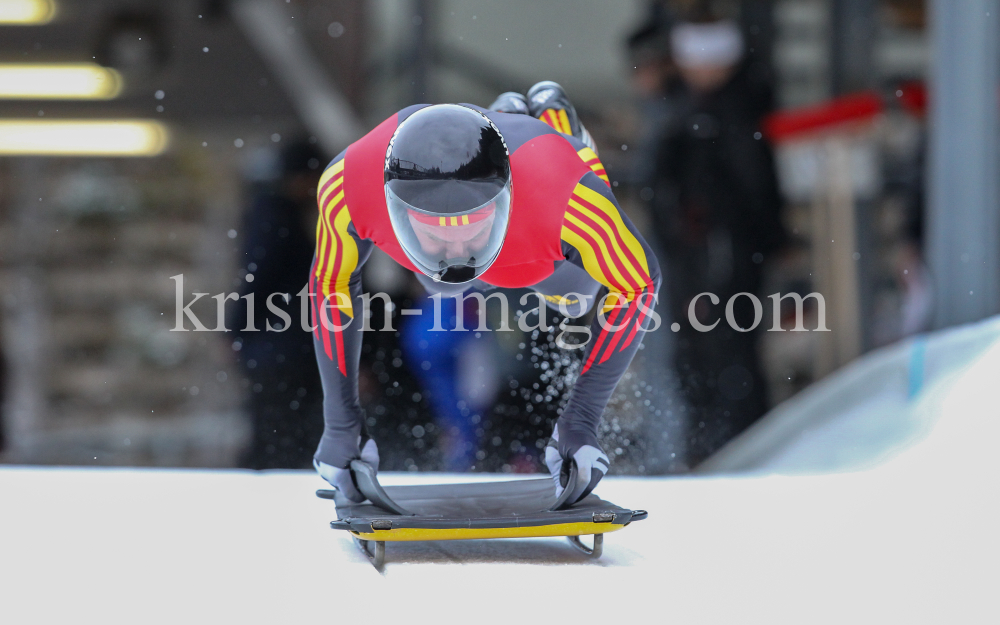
364,190
544,171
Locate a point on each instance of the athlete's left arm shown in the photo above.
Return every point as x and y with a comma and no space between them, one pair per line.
600,238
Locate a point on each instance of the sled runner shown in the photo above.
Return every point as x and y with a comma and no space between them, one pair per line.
512,509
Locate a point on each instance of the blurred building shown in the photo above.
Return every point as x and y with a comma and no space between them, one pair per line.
89,242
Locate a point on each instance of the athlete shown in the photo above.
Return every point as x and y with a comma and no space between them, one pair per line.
510,196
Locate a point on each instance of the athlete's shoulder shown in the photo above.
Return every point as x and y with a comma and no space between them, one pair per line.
331,175
337,161
590,158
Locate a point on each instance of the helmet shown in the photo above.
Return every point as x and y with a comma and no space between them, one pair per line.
448,190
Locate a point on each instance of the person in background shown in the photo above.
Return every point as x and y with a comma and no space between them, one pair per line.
715,207
659,98
656,84
458,373
286,397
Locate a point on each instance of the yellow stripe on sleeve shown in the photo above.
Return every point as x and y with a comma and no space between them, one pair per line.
330,172
330,251
609,209
325,178
605,253
331,191
348,260
330,202
322,244
324,240
587,255
322,234
348,249
611,236
334,220
587,155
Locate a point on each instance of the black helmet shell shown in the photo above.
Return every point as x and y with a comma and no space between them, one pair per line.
446,161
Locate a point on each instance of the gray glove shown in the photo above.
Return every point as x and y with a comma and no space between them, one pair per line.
341,478
591,461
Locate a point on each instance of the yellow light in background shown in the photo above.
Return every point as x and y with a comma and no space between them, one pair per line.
71,81
127,137
27,12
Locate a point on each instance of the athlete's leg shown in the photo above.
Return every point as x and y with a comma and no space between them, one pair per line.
511,102
548,102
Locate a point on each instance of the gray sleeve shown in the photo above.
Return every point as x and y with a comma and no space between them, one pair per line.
628,268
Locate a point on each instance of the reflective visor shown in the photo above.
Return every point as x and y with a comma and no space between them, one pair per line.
451,247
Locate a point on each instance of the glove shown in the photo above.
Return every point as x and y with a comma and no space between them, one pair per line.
341,478
591,461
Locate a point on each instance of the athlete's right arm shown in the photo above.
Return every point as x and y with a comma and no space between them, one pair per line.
335,302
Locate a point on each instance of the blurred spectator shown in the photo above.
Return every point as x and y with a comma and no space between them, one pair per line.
655,82
716,208
906,176
286,397
458,373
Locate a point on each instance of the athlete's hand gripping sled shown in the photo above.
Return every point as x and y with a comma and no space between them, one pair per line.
518,508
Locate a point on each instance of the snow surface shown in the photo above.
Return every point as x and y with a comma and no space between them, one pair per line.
144,546
913,540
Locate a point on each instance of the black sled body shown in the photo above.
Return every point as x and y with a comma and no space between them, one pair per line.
512,509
